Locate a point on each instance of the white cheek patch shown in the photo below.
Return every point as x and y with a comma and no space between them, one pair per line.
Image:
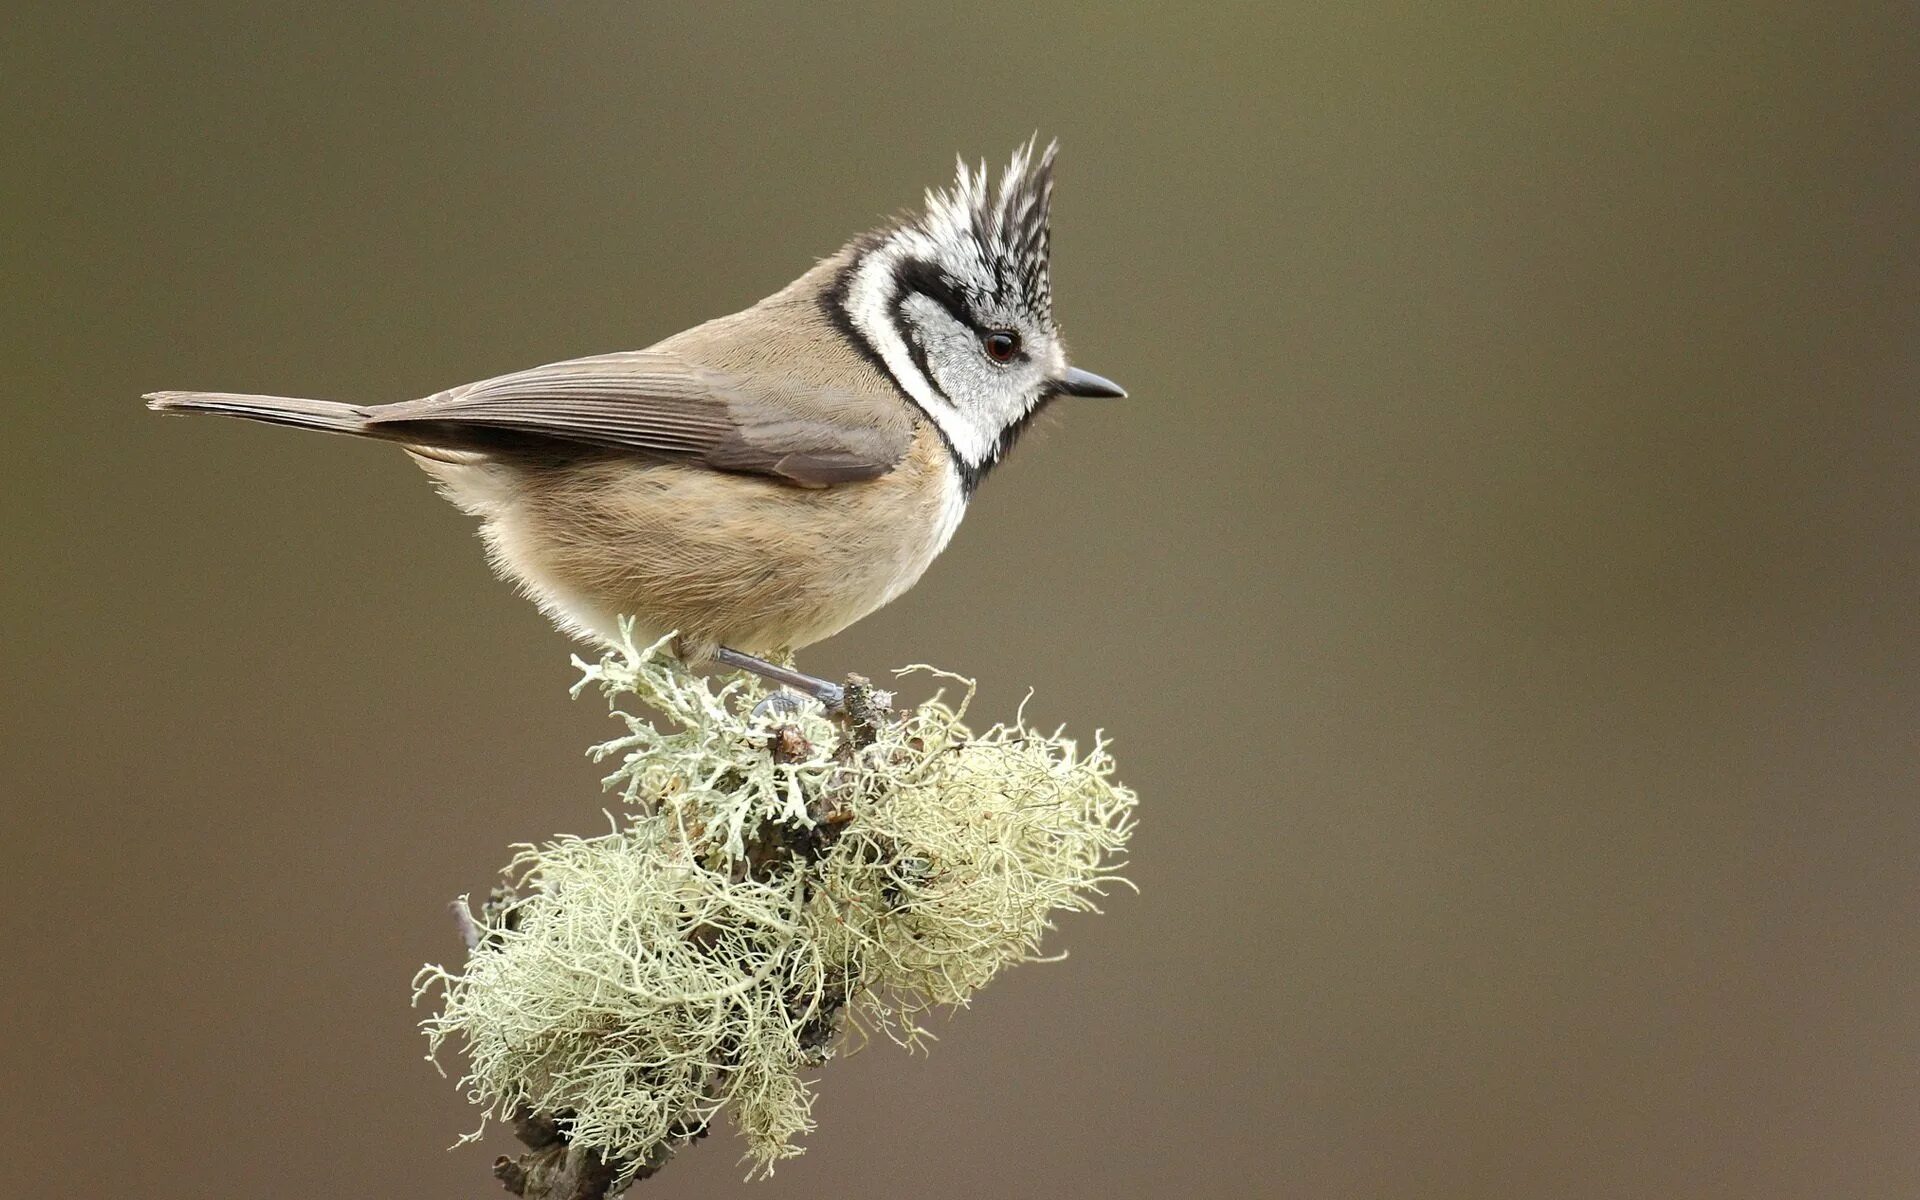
869,298
994,396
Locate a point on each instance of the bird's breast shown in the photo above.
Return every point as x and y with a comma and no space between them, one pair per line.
730,559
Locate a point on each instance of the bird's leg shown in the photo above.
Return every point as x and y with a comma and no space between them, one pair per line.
831,695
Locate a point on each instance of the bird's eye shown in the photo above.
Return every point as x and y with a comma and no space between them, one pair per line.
1001,345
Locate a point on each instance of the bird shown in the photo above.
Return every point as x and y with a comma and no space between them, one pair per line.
757,483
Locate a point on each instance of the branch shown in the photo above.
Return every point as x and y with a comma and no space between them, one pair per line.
708,950
554,1169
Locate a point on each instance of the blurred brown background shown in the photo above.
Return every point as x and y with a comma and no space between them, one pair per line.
1502,585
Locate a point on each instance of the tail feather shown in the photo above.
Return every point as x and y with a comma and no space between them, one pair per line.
330,416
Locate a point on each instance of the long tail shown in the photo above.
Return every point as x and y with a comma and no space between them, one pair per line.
329,415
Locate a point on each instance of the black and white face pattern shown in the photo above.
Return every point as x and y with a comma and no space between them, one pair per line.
957,305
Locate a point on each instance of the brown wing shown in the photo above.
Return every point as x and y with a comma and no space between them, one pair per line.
655,402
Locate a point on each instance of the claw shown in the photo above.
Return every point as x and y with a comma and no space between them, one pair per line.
778,704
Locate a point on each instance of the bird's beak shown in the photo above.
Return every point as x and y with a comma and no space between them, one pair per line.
1076,382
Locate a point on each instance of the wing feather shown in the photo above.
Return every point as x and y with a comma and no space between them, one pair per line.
655,402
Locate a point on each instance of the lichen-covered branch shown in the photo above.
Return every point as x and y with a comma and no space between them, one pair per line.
774,880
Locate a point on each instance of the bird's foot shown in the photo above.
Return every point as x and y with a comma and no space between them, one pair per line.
832,696
779,704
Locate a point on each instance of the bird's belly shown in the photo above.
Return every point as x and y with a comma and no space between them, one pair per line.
732,560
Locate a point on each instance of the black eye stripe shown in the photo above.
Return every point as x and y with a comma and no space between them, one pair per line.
916,352
918,275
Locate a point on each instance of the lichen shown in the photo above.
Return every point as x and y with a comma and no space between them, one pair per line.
771,877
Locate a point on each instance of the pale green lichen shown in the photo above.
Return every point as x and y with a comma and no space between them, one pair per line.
701,953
